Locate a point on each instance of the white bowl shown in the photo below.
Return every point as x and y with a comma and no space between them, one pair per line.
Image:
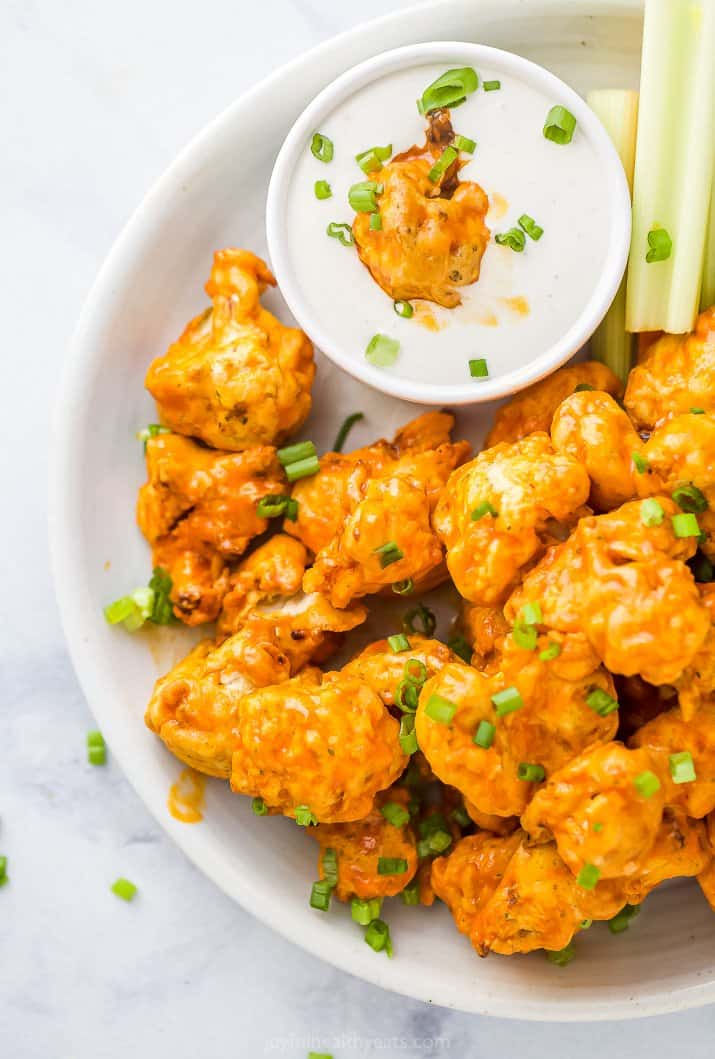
508,66
147,289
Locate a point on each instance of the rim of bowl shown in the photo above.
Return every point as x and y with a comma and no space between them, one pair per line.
616,189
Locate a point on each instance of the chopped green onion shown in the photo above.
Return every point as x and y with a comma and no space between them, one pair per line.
652,513
342,232
345,429
461,648
461,816
415,672
404,587
559,125
403,309
647,784
484,735
151,431
322,189
388,553
391,866
411,893
365,911
320,894
96,748
319,1055
304,817
125,889
585,924
449,90
529,225
588,876
395,814
485,508
601,702
302,468
291,512
660,245
690,498
639,462
682,767
478,368
362,196
530,773
3,871
621,921
513,238
144,604
697,411
300,450
377,936
446,159
273,505
463,143
440,709
597,827
583,387
702,569
398,642
372,158
531,614
381,351
329,864
407,696
562,957
525,636
491,86
259,807
95,738
427,620
321,147
507,701
436,842
375,222
408,736
550,653
685,525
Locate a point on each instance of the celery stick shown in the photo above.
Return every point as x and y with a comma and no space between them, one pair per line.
707,294
674,162
618,111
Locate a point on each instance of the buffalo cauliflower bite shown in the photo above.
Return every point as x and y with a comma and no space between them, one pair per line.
321,743
198,510
601,809
433,234
484,629
533,408
362,845
237,376
194,708
383,669
680,850
549,722
495,513
265,590
676,373
670,735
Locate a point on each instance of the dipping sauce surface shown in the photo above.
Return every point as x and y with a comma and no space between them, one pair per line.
522,302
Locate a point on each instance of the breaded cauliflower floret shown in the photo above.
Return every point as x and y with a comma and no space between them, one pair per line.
484,628
680,850
321,742
383,669
237,376
496,513
670,734
198,510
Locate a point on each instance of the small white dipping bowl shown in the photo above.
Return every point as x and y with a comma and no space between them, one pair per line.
529,352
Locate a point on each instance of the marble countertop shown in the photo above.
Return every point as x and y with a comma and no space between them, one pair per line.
96,99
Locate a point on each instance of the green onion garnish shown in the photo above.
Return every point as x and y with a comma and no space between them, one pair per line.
449,90
697,411
461,816
273,505
440,709
525,636
362,196
461,648
388,554
513,238
562,957
652,513
304,817
144,604
302,468
507,701
559,125
685,525
375,222
621,921
660,245
365,911
689,498
382,351
408,736
478,368
377,936
530,773
259,807
151,431
445,160
639,462
437,842
585,924
372,158
550,652
427,620
398,642
329,864
320,894
403,588
485,508
395,814
531,614
407,696
342,232
647,784
403,308
321,147
588,876
491,86
682,767
391,866
96,748
299,460
411,893
124,889
597,827
529,225
3,871
345,429
322,189
463,143
415,671
702,569
484,735
601,702
583,387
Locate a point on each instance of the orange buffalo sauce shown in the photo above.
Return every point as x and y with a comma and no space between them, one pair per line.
186,797
518,305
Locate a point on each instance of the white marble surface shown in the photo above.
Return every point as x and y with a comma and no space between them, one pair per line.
95,100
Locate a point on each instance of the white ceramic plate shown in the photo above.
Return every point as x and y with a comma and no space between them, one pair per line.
150,285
